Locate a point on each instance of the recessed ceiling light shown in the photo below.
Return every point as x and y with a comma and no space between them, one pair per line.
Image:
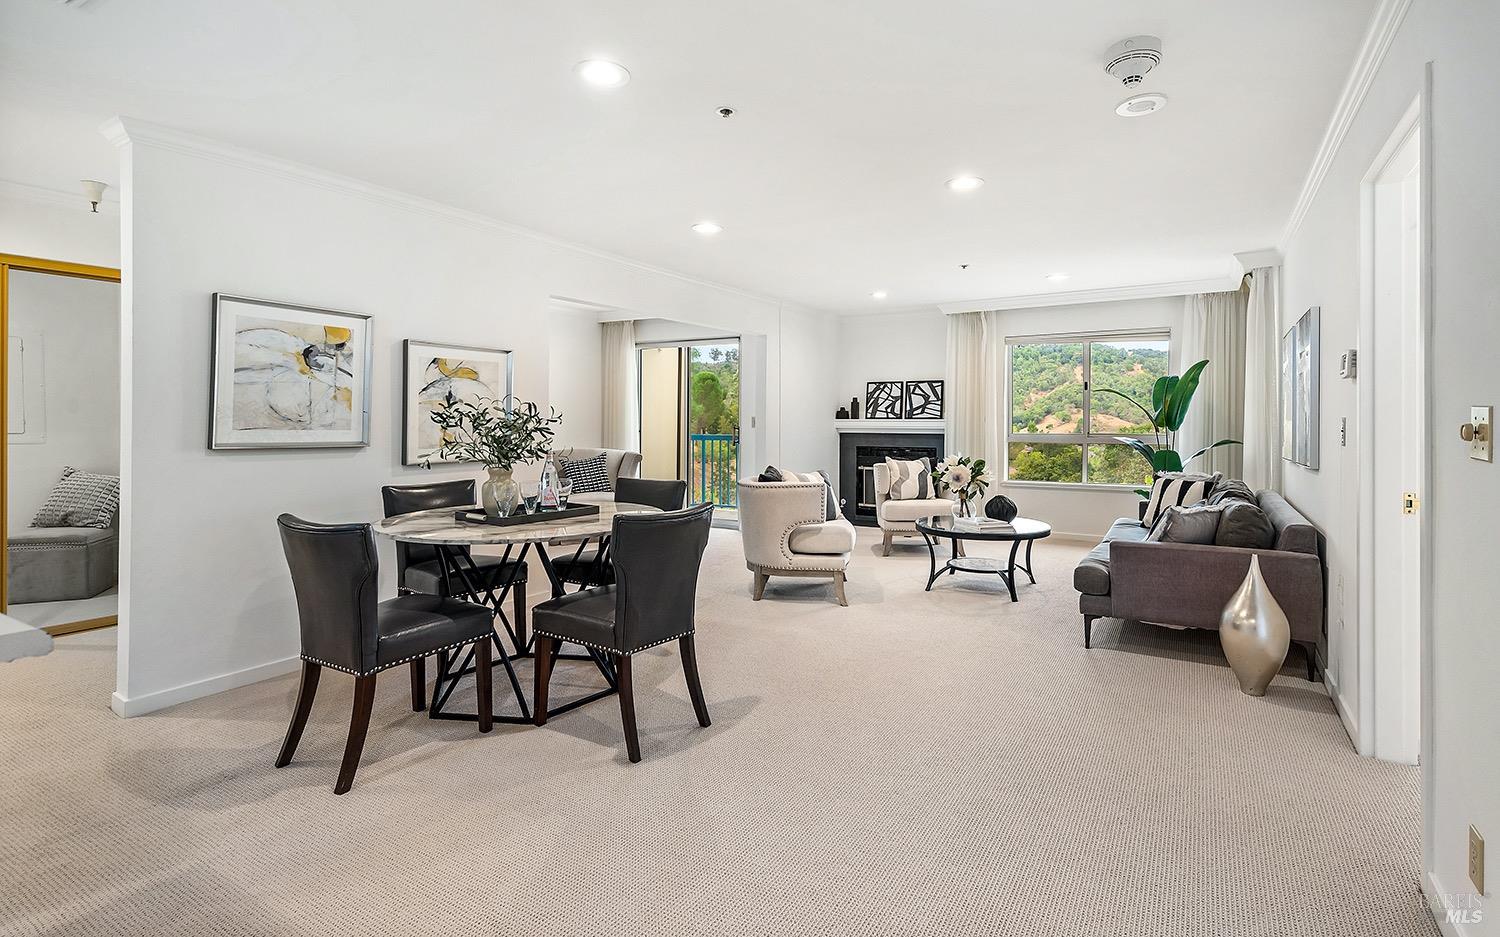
602,74
1057,277
1141,104
707,227
965,183
879,294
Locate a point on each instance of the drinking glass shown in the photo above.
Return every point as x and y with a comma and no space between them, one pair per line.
564,489
531,495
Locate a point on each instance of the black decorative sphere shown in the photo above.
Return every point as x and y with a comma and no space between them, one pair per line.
1000,508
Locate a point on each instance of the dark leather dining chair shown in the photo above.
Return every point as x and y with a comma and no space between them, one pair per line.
668,494
335,575
656,557
420,569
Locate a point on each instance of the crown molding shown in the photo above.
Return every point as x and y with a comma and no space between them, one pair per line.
1384,24
1109,294
1265,257
125,131
55,198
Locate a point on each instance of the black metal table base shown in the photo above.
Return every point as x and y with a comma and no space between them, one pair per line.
462,578
979,564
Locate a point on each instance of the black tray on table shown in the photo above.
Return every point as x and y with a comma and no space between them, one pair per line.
548,516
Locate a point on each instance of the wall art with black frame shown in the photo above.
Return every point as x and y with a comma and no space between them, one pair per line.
924,400
884,400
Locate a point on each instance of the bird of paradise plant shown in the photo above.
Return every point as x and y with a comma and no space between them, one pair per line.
1171,396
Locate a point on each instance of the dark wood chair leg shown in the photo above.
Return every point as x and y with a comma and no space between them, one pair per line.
419,684
1310,651
484,684
305,693
359,724
518,597
627,707
690,670
546,656
1088,629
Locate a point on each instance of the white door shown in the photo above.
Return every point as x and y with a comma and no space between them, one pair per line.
1395,374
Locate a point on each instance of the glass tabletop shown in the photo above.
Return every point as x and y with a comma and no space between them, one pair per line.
1021,528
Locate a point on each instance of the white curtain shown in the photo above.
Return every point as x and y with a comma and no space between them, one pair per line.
1214,328
1262,437
620,387
970,383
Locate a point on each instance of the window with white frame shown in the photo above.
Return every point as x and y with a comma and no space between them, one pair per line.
1060,426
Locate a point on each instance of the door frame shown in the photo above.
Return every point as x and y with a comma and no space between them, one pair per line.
684,390
1371,647
9,262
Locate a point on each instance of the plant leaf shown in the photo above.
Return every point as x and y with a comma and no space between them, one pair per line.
1130,399
1167,460
1159,392
1182,396
1212,445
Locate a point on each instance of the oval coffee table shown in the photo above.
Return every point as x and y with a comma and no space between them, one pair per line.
944,526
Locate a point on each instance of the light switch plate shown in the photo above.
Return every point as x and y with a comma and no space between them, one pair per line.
1476,860
1482,446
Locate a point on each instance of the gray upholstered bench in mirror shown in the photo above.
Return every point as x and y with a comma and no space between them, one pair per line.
51,564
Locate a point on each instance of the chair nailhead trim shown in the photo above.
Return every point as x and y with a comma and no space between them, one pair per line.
600,647
394,663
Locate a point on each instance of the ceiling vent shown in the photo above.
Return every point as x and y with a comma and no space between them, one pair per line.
1130,59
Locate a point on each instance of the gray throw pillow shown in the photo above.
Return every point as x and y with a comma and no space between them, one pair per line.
80,499
1231,489
1245,525
1197,524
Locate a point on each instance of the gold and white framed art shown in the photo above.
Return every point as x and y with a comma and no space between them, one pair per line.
434,375
288,376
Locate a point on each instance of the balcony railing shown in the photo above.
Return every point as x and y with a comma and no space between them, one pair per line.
713,469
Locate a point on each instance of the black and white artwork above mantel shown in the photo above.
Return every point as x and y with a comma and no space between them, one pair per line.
884,400
924,400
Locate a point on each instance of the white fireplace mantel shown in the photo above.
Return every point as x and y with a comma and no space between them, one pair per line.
888,426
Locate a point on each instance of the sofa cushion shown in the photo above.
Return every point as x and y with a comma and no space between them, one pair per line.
829,538
1127,529
1230,489
1197,524
1181,489
1293,531
910,480
1243,524
1091,575
911,511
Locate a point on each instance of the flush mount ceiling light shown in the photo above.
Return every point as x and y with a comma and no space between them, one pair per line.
964,183
879,294
602,73
1057,277
94,192
708,227
1141,104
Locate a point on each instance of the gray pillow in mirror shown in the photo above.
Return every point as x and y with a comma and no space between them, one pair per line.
1196,524
1243,524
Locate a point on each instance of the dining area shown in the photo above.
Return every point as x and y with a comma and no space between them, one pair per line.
619,570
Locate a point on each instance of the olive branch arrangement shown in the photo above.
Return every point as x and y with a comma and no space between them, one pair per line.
498,433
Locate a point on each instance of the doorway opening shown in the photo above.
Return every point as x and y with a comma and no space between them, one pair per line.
60,467
1394,453
690,418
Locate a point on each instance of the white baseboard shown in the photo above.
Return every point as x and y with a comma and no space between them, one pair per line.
1351,725
1434,891
161,699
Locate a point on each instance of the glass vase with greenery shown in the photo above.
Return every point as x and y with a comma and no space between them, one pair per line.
1171,396
500,434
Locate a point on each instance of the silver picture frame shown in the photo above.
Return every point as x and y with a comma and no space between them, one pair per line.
1301,421
248,414
413,351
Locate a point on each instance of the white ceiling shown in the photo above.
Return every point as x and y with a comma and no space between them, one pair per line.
828,182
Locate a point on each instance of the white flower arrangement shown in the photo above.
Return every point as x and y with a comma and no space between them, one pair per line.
964,476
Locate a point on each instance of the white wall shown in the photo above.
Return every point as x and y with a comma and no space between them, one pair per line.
71,327
573,375
33,225
1463,504
913,345
206,602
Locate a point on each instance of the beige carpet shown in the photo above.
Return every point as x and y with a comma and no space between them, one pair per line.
915,764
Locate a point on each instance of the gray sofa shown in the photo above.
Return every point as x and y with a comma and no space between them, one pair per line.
1188,585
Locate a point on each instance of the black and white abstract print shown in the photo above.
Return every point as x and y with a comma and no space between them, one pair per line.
924,400
883,400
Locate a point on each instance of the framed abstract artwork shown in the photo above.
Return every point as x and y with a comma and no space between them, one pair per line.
884,400
1300,418
288,376
924,400
436,375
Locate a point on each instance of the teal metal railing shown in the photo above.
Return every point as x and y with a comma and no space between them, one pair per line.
713,468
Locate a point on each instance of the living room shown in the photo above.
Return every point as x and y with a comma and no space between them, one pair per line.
580,365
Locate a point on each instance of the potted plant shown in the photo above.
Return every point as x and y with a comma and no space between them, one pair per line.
498,434
1171,396
965,476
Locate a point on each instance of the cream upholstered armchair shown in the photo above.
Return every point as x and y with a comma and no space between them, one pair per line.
899,518
785,534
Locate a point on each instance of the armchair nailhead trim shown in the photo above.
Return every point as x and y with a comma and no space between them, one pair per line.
394,663
611,650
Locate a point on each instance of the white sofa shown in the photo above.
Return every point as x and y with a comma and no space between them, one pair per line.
785,534
899,518
619,463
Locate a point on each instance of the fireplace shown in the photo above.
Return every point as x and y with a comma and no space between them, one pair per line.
860,452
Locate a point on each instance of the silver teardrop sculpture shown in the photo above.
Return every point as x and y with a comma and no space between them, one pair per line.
1254,633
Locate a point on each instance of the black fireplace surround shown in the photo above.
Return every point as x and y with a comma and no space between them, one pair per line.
858,452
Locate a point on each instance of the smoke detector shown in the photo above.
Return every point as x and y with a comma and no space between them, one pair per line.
1130,59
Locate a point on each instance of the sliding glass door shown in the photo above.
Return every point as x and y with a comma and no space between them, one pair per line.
690,417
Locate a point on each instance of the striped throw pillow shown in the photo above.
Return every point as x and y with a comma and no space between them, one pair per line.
587,474
910,480
80,499
1176,489
830,506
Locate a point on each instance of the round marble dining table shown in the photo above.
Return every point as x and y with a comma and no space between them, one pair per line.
439,526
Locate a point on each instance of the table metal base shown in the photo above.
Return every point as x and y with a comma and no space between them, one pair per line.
961,563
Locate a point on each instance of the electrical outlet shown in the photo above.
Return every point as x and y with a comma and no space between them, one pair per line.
1476,860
